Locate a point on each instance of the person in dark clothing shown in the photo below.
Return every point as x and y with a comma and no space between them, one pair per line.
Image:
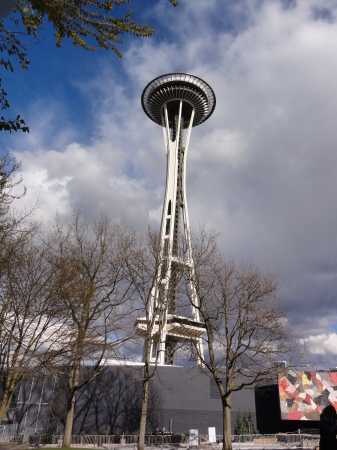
328,429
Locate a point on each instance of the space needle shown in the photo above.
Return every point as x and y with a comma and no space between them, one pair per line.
177,102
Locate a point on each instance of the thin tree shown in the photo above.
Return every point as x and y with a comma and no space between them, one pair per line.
249,423
31,331
13,223
144,266
8,170
91,288
246,328
239,425
27,308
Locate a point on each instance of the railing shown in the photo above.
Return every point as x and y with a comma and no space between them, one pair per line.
95,441
103,440
8,432
306,441
86,440
241,438
309,441
298,440
127,439
35,440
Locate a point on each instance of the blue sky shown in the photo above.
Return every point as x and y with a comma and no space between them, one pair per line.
261,170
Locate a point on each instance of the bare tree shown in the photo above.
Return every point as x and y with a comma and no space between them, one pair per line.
30,328
246,328
12,223
91,288
145,265
8,169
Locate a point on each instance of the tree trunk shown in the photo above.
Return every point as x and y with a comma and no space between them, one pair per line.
5,404
58,424
73,381
12,382
227,425
69,422
145,396
142,426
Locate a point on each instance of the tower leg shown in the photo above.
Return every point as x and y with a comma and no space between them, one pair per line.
175,238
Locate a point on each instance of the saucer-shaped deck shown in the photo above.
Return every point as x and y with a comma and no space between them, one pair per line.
173,87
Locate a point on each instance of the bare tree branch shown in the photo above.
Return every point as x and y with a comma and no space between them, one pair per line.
246,327
91,288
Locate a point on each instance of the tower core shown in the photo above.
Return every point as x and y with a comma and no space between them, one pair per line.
177,102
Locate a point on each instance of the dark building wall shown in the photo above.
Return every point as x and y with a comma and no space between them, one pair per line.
268,413
110,403
191,400
30,405
181,398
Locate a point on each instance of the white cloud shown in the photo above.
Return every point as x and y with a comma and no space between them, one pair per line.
323,344
261,170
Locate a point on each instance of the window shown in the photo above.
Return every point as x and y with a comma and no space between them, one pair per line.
167,231
169,208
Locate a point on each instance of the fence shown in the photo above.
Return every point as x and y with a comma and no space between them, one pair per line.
8,432
85,440
298,440
307,441
103,440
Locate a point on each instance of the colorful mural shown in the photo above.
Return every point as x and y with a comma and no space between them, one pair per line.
303,395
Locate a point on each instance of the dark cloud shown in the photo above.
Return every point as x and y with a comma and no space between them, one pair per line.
6,6
321,13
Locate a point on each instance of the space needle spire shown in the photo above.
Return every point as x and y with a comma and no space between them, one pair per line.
177,102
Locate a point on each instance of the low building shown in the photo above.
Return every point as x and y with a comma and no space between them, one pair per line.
181,398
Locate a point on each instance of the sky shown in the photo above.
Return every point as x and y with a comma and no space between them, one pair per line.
261,170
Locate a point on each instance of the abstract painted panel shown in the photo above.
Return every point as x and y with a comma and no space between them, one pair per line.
304,394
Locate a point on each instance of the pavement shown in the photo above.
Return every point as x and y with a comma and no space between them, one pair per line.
186,446
13,446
